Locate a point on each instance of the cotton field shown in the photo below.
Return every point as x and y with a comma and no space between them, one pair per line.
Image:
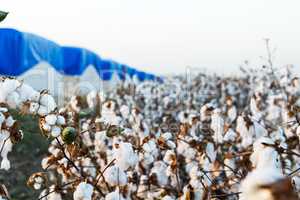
208,137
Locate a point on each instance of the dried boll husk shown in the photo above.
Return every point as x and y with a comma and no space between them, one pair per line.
44,128
3,192
37,178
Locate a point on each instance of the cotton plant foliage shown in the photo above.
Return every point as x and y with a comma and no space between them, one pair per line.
211,138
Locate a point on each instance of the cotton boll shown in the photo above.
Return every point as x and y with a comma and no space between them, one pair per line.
246,134
46,127
87,139
250,186
101,141
232,114
44,163
210,152
124,111
217,125
169,157
296,182
264,156
167,136
116,195
151,148
230,135
7,87
43,194
9,122
37,186
60,120
229,165
26,92
54,195
33,107
55,131
5,164
260,131
84,191
48,102
51,119
167,197
3,109
171,144
125,157
42,110
159,169
115,176
91,170
91,98
13,100
7,147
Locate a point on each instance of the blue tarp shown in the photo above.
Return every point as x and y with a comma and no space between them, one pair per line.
20,52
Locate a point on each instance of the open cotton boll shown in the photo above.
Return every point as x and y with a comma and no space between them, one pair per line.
251,185
26,92
53,195
91,170
260,130
55,131
13,100
150,147
33,107
115,176
37,186
188,192
7,87
7,147
5,164
51,119
48,102
217,125
46,127
169,157
125,156
84,191
3,109
167,197
264,156
167,136
42,110
115,195
210,152
159,169
9,122
44,163
91,99
230,135
110,118
296,182
125,111
60,120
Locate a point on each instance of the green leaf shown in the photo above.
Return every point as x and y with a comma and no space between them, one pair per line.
3,15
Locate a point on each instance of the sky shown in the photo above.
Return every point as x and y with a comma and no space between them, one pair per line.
167,36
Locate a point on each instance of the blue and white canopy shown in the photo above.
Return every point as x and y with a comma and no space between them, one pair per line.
20,52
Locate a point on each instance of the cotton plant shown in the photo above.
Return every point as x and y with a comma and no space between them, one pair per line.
18,95
158,141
